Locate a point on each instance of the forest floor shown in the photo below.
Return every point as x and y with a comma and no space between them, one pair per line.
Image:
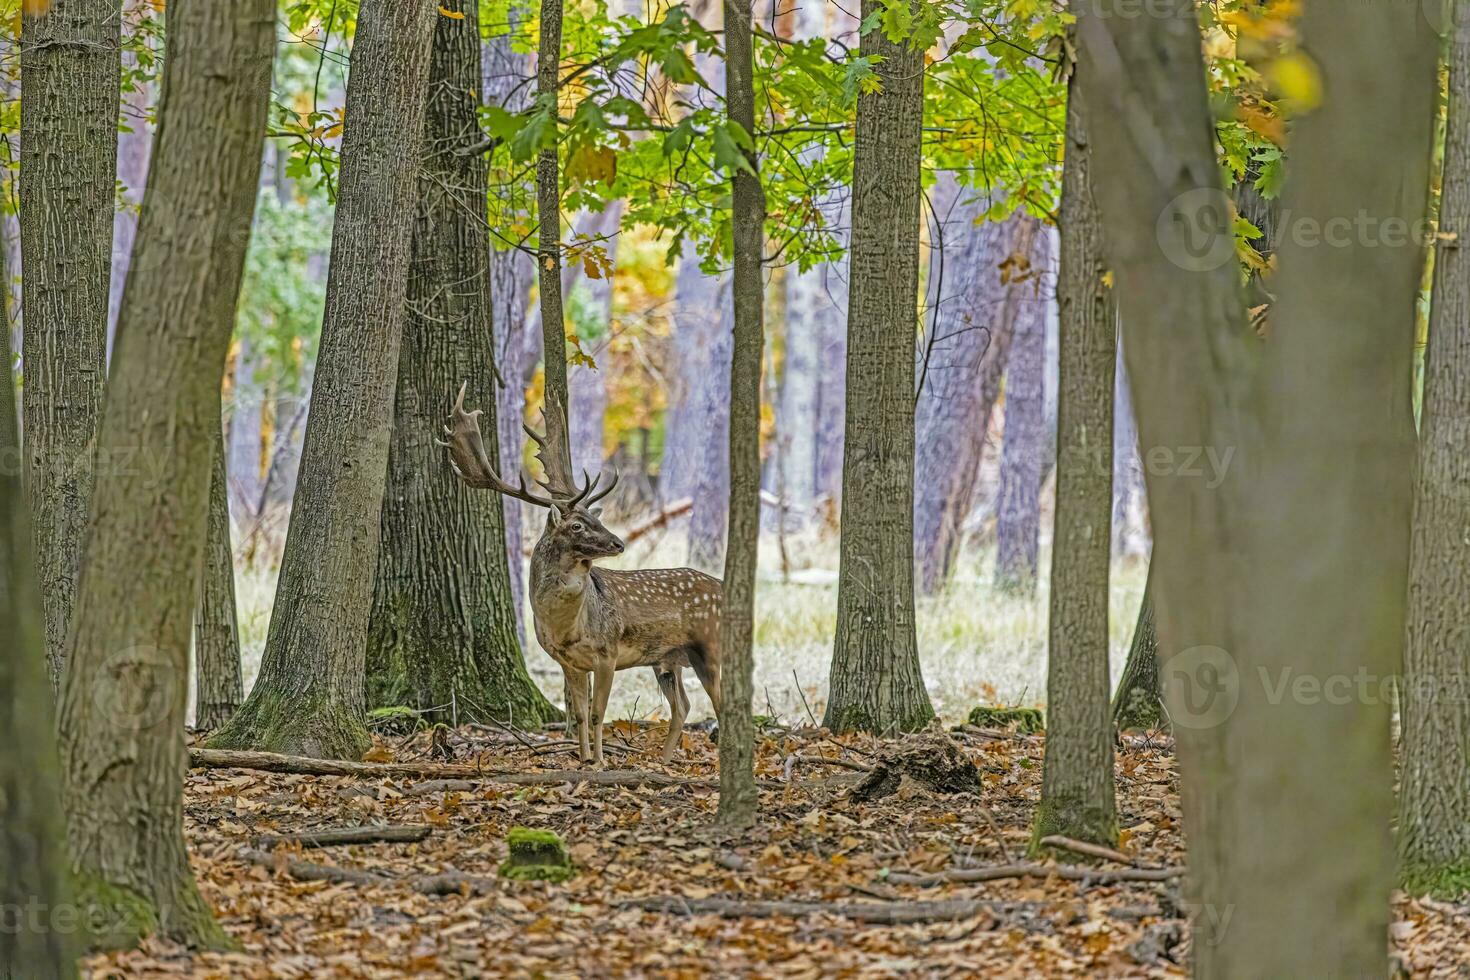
652,844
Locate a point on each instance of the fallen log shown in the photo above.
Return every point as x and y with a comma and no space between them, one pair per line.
445,883
792,761
1002,871
332,836
1087,849
884,913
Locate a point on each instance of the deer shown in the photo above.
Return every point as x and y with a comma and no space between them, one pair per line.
596,621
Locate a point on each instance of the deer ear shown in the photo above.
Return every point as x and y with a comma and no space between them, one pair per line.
553,516
596,512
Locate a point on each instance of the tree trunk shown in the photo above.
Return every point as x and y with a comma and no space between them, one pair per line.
587,386
516,351
548,210
1286,579
1023,445
832,387
1127,463
708,419
246,481
218,685
126,686
133,146
1077,781
32,855
309,699
801,375
876,684
1136,703
738,796
1434,788
697,413
70,75
441,637
961,366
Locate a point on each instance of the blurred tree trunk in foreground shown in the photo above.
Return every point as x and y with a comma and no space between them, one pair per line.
126,684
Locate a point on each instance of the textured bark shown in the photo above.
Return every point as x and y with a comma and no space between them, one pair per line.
875,683
1136,703
218,685
1296,560
441,636
516,348
1434,787
126,684
1024,440
308,699
1127,463
1077,781
698,413
738,795
961,370
587,386
32,854
133,147
548,210
70,72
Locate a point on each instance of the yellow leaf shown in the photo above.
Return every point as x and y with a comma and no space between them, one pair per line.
1298,79
1107,279
452,14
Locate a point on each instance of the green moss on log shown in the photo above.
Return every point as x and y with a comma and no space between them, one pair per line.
536,855
1028,721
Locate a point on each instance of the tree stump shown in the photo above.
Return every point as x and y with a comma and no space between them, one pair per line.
934,763
536,855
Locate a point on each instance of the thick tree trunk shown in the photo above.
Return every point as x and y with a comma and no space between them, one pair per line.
698,410
70,74
516,351
876,684
1281,589
218,687
442,637
1077,782
308,699
1136,703
1434,788
738,795
32,854
961,367
126,686
1024,448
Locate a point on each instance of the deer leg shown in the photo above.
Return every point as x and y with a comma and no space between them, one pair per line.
602,679
671,682
576,682
707,669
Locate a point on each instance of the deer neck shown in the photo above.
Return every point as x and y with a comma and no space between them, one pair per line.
561,584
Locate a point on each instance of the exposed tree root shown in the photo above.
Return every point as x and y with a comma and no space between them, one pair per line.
1083,847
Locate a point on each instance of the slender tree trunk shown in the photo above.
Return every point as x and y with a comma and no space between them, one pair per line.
246,481
1136,703
70,74
548,210
218,685
1434,788
709,421
134,142
511,274
126,684
32,854
832,387
1127,464
738,795
1281,588
1077,783
876,684
309,698
698,412
800,385
961,366
1023,446
587,386
442,637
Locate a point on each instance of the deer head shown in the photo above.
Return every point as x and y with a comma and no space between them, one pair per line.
574,522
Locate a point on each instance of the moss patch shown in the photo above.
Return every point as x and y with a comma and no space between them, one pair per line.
536,855
115,917
1448,884
1075,819
1028,721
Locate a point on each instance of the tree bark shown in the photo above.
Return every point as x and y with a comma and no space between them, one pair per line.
218,686
134,143
1292,567
961,366
1023,442
548,210
1434,786
738,796
126,685
309,699
32,853
876,683
1136,703
1077,780
70,75
441,635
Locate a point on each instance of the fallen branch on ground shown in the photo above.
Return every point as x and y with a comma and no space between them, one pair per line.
1085,848
1002,871
885,913
331,836
446,883
793,760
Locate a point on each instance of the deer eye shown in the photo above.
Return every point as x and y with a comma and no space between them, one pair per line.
576,527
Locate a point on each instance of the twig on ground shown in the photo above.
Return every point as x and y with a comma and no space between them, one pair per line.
802,695
274,762
1002,871
332,836
445,883
793,760
887,913
1085,848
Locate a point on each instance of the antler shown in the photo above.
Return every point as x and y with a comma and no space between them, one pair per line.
470,462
